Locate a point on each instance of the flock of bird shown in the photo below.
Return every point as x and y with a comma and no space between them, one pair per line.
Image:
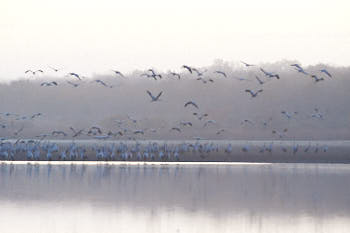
153,151
7,149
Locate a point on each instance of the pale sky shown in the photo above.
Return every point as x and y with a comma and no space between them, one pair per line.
88,36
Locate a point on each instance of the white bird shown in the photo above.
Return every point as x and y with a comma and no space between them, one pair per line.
154,98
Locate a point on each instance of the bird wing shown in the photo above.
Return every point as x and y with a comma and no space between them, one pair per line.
193,103
188,68
150,94
326,72
160,93
249,91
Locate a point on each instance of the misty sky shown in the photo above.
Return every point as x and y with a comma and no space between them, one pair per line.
94,36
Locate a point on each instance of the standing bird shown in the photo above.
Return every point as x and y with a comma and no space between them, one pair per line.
154,98
254,94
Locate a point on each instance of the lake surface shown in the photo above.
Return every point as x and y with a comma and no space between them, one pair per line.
160,197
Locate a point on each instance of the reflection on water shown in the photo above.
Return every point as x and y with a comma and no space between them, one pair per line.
175,198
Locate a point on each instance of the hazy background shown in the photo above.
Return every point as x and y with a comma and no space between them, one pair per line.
93,36
224,101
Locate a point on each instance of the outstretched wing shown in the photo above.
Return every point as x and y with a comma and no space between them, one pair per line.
160,93
249,91
150,94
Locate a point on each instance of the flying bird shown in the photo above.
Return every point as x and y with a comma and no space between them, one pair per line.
199,73
326,72
56,133
176,75
185,123
139,132
187,68
246,64
269,74
73,84
36,115
259,80
191,103
75,75
176,129
54,69
49,84
280,134
220,131
76,133
317,79
154,98
209,122
299,69
254,94
221,72
118,73
102,83
33,72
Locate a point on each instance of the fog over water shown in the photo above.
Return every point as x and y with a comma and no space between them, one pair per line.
224,100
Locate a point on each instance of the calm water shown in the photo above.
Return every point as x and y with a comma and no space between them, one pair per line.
174,198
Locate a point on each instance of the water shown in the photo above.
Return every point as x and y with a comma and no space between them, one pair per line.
160,197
